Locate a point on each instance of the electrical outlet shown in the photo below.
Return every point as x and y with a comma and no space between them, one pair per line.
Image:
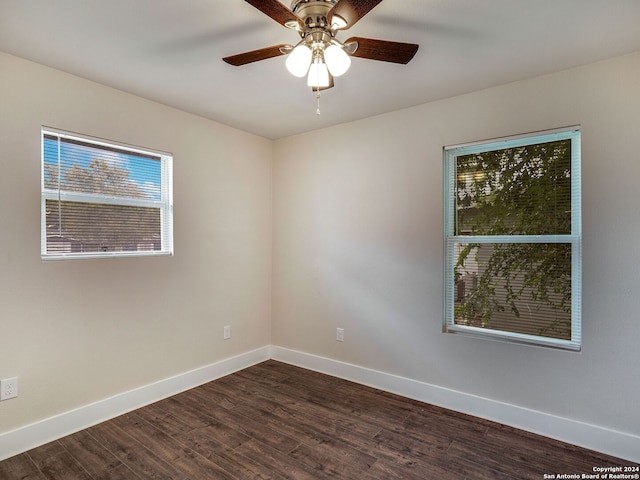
227,332
340,334
8,388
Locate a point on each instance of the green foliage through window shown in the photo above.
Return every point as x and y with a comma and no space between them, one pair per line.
512,239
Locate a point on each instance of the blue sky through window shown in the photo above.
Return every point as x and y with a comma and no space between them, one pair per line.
142,171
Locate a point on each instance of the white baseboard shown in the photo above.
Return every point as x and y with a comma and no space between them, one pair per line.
49,429
611,442
593,437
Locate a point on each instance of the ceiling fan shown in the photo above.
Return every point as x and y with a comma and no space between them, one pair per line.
319,54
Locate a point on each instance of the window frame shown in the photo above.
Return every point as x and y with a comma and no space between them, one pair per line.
450,154
164,204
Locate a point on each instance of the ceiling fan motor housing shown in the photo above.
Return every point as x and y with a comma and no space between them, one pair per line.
313,13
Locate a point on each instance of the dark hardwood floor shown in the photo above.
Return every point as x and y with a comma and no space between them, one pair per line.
276,421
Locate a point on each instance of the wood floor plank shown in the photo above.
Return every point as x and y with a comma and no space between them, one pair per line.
38,455
277,421
195,466
384,470
328,399
191,418
20,467
229,459
217,434
167,422
152,438
229,419
439,429
495,461
276,461
63,467
314,432
333,462
96,459
415,454
121,472
323,433
215,396
545,452
171,450
144,463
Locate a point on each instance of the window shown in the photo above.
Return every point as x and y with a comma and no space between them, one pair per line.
101,199
512,236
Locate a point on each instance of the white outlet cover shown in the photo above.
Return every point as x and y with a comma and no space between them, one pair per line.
8,388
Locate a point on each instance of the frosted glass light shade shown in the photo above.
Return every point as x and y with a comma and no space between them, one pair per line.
337,60
299,60
318,74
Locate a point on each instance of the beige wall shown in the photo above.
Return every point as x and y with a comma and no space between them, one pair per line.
358,245
76,332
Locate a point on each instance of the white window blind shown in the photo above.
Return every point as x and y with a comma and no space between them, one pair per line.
512,239
102,199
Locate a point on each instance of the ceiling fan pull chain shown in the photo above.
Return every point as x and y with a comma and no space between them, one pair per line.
318,100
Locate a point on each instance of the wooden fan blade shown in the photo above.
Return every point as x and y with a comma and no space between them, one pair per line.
384,50
275,10
352,10
256,55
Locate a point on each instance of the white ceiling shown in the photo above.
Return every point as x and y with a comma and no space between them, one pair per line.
170,51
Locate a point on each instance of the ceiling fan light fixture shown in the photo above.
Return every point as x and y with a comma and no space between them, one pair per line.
299,60
337,60
318,74
319,54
